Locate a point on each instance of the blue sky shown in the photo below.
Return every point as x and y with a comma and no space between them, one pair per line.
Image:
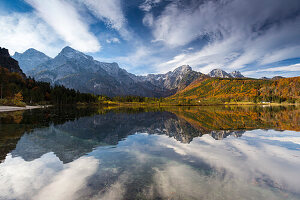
257,37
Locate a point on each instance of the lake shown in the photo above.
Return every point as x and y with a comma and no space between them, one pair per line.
209,152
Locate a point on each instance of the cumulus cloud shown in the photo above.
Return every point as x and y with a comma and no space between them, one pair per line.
110,12
67,23
238,32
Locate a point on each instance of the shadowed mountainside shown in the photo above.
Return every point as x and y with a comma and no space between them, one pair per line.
9,63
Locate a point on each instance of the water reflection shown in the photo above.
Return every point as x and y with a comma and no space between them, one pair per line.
159,154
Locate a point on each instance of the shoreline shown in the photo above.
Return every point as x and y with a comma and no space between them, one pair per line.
162,104
15,108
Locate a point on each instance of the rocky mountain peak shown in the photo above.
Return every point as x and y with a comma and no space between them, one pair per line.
219,73
4,52
30,59
34,52
182,69
71,53
236,74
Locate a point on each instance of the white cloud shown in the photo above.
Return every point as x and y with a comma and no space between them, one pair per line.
113,40
67,23
109,12
147,5
18,32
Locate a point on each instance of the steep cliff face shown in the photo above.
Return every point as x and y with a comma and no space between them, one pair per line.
9,63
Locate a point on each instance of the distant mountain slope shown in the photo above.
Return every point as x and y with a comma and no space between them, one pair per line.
9,63
219,73
30,59
220,89
173,80
237,74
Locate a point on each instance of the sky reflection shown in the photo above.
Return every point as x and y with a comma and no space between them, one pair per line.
254,166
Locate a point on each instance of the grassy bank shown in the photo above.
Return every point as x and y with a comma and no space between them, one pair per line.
168,104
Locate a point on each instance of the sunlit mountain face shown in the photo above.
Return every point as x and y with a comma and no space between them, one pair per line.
257,38
212,152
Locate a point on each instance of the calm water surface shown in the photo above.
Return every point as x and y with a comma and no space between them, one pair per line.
174,153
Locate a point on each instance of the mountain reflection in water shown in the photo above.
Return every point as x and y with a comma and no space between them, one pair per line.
165,153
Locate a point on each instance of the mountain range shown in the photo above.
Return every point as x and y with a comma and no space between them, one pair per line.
74,69
222,74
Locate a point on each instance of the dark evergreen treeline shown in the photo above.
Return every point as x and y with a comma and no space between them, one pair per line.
13,87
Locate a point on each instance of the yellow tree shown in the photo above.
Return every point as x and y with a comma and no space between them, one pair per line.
18,97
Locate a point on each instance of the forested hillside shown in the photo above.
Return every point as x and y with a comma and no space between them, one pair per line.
14,89
243,89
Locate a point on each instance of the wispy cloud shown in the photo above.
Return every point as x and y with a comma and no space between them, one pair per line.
67,23
289,68
111,13
18,32
238,32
